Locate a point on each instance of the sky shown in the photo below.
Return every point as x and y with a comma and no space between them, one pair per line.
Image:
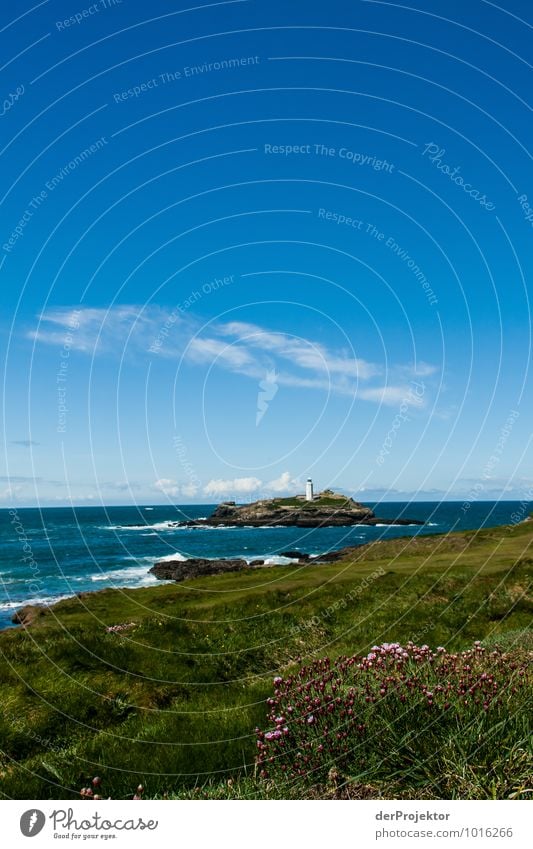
248,242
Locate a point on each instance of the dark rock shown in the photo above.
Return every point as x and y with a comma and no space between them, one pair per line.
257,563
375,521
28,614
196,567
331,556
295,555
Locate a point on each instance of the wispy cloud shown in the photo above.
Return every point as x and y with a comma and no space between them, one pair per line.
300,352
234,357
25,443
21,479
168,486
238,347
393,396
97,331
21,485
236,486
10,493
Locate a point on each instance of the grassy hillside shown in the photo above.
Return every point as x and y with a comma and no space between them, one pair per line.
172,699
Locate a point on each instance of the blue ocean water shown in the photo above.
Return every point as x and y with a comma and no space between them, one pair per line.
56,552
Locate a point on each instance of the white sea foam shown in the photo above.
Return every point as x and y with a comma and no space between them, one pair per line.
157,526
175,556
275,560
44,600
410,525
119,576
147,559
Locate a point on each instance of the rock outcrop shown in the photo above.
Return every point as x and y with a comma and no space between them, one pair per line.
196,567
293,512
327,509
28,614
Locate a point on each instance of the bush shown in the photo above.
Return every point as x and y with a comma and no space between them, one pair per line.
406,713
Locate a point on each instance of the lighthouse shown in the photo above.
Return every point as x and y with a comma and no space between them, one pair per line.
309,490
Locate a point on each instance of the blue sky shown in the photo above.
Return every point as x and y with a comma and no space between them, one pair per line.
248,242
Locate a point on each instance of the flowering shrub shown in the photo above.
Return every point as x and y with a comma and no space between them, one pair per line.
123,626
93,792
397,705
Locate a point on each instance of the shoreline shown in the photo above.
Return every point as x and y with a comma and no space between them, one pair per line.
32,611
173,662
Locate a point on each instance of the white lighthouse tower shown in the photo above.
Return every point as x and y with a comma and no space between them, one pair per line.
309,490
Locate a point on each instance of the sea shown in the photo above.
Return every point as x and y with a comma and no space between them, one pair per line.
52,553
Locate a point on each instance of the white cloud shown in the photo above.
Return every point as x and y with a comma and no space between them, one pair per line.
167,486
424,370
415,370
221,488
237,486
189,490
285,483
247,486
11,492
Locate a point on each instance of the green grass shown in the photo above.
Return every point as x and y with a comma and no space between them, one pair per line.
324,501
173,702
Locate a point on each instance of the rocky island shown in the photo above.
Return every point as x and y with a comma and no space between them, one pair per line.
300,511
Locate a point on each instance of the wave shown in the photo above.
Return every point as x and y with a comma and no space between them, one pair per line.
150,558
212,527
279,560
154,558
124,574
157,526
44,600
237,527
175,556
410,525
